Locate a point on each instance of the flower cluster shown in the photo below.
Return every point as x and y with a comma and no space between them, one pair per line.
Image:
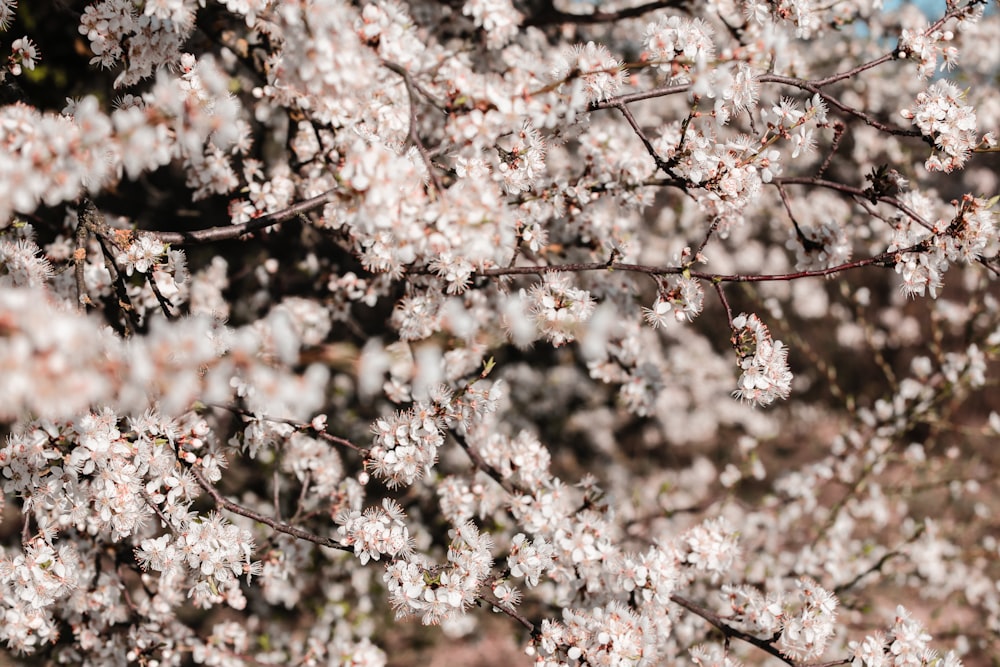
140,255
433,269
376,532
906,643
806,634
529,559
23,55
680,297
941,114
731,174
764,362
594,66
440,593
674,37
558,309
608,635
711,547
821,247
925,45
212,552
497,17
405,445
31,582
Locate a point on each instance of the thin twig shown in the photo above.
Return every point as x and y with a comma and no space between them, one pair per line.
882,259
165,304
496,604
235,508
411,93
725,303
615,102
728,631
839,129
229,232
660,162
509,486
548,14
837,104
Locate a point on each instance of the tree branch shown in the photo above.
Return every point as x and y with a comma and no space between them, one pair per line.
548,14
728,631
229,232
229,505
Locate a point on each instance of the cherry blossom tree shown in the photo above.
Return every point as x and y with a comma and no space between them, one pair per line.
630,332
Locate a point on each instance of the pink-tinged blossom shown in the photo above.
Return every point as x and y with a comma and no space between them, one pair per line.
7,8
522,164
438,593
455,271
763,361
141,254
680,298
905,644
752,611
870,652
805,634
926,47
712,547
418,316
529,558
405,445
593,65
612,634
23,55
21,265
734,86
942,114
973,229
105,24
712,655
507,595
497,17
673,37
48,158
821,247
379,531
523,457
558,309
40,575
210,553
174,11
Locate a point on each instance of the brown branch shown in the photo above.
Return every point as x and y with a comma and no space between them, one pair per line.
235,508
877,566
548,14
411,93
728,631
496,604
894,55
882,259
93,223
839,129
725,303
86,219
660,162
839,76
229,232
299,426
164,302
837,104
510,487
615,102
855,191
